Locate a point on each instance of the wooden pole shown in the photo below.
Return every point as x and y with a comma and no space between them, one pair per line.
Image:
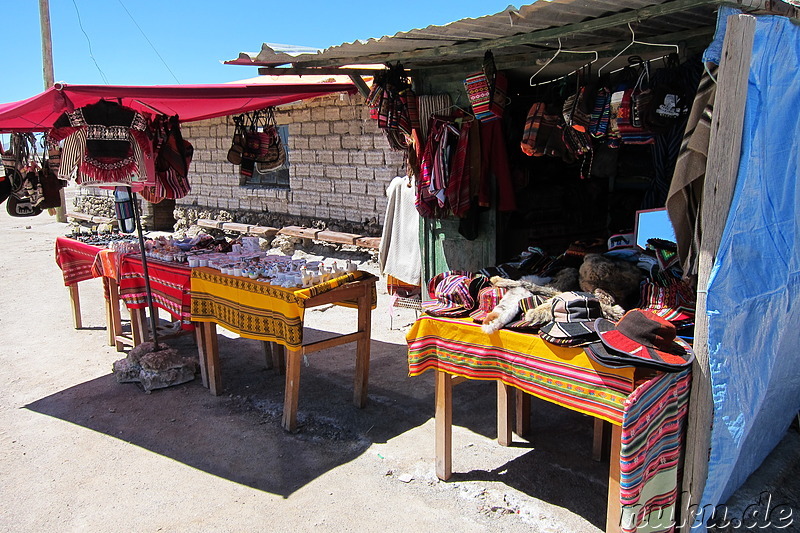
721,172
48,75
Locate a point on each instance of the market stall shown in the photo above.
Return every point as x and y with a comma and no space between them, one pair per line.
617,156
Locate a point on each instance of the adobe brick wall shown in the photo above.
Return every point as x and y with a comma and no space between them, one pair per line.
339,167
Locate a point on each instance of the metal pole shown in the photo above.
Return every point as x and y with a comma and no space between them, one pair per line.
49,79
153,315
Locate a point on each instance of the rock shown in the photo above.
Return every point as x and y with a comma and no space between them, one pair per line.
154,369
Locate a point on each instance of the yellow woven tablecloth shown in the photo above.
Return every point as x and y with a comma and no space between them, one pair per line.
257,310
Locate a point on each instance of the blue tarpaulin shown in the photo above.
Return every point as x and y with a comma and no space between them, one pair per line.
754,290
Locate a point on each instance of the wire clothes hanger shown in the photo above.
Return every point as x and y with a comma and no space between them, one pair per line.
634,41
562,51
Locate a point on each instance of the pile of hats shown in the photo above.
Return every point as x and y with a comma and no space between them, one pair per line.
641,337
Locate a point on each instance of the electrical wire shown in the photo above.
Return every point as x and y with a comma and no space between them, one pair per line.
89,42
149,42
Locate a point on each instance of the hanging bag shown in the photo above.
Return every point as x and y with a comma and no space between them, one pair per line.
237,145
271,152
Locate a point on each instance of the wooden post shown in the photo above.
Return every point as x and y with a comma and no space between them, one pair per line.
266,349
75,300
138,326
444,425
292,390
720,182
614,510
200,339
504,413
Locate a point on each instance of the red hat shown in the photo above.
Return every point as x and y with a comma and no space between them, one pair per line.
640,338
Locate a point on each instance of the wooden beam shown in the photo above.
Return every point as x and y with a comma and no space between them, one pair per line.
318,71
312,347
505,412
361,85
593,25
721,172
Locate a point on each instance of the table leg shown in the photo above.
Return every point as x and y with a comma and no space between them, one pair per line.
614,512
504,413
212,357
598,443
444,425
291,394
362,349
116,317
75,300
266,349
278,358
522,405
200,339
138,326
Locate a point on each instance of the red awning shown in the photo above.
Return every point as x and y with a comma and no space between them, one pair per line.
189,102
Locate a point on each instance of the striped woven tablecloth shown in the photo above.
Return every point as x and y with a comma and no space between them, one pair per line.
170,284
75,259
258,310
566,376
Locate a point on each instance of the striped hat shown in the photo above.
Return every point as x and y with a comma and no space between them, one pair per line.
674,302
488,298
455,292
574,314
525,305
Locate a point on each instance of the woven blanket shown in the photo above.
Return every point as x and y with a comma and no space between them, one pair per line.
75,259
258,310
565,376
169,285
652,441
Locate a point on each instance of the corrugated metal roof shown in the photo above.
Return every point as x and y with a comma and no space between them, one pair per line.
534,28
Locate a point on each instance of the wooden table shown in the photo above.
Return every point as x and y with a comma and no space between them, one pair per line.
257,310
457,349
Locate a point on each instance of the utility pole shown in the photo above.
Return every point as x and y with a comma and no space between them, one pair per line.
49,79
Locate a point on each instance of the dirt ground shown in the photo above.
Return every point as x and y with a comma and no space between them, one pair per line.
80,452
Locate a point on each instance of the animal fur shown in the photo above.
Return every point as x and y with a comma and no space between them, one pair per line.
565,280
619,280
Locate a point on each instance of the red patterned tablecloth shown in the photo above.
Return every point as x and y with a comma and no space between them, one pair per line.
170,284
75,259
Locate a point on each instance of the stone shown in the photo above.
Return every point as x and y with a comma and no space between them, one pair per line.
154,369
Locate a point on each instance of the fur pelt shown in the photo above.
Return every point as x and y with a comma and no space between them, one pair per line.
618,280
565,280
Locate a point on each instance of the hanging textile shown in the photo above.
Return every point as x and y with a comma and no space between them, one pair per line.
102,149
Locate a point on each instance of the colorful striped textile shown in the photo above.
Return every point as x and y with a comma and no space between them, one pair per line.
75,259
652,441
305,294
257,310
169,284
562,375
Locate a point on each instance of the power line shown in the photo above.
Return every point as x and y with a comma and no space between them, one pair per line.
148,41
91,54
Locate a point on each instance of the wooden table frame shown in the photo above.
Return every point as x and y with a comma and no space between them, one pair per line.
360,291
505,419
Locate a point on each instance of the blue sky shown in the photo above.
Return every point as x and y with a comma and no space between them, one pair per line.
192,36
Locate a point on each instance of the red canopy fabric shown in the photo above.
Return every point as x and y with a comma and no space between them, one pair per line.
189,102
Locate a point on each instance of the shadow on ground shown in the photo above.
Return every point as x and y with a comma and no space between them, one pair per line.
237,435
